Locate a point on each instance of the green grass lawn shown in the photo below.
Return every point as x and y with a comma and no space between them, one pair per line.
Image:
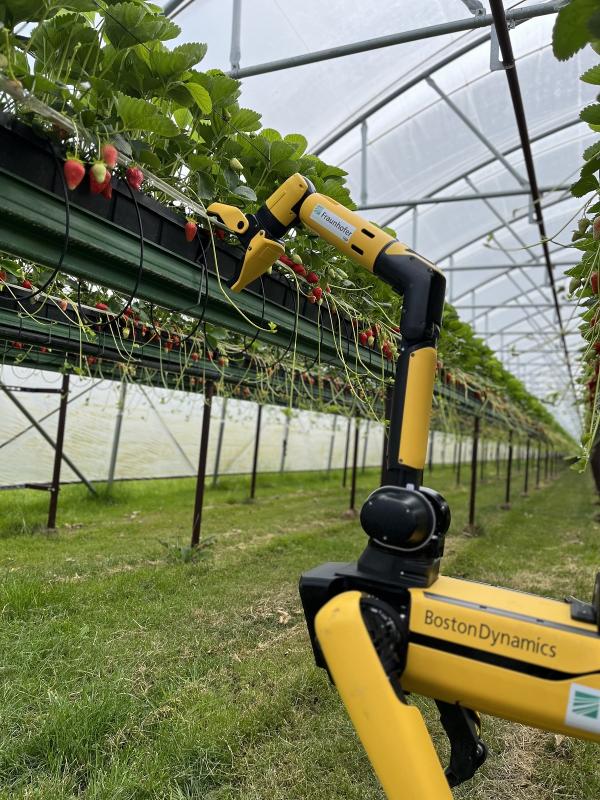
128,672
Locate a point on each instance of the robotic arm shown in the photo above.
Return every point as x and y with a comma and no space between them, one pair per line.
389,623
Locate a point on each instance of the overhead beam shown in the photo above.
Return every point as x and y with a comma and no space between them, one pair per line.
486,267
379,42
427,201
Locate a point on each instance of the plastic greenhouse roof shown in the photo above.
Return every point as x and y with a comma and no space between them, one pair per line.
418,145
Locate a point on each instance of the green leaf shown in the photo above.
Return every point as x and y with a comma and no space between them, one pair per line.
593,25
591,166
206,187
200,162
591,114
245,120
150,159
591,151
246,192
280,151
201,97
129,24
170,64
271,134
592,75
298,141
138,114
571,31
183,117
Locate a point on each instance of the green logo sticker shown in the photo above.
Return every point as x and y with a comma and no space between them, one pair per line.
583,708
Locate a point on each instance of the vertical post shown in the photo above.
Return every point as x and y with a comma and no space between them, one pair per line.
220,441
60,438
538,466
454,452
354,465
473,474
526,483
365,445
364,130
389,395
255,457
346,452
546,464
482,460
117,434
209,391
444,450
332,442
497,459
431,442
235,53
508,471
459,460
286,433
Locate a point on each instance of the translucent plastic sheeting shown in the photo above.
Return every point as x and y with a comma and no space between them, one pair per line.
417,145
160,433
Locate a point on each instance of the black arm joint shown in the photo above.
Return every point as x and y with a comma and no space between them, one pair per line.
467,750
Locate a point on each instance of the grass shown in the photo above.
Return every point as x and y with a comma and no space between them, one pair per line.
130,671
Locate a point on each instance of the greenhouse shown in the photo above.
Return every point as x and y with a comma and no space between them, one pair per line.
299,432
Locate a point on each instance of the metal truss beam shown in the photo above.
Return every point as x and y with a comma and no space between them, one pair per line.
428,201
377,43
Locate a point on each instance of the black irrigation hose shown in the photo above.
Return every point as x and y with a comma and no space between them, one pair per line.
294,332
261,323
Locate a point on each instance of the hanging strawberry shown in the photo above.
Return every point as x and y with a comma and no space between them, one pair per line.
191,229
134,177
74,172
109,155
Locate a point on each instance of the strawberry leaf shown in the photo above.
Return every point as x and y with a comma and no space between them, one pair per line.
140,115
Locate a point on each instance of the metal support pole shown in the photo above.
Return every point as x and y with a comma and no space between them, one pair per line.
546,464
346,452
48,438
459,461
538,466
255,457
286,433
364,143
482,460
389,396
508,471
497,459
235,53
431,443
201,479
354,465
473,493
365,445
331,443
526,483
117,434
215,477
58,452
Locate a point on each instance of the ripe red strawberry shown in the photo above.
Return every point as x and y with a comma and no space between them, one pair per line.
317,292
134,177
63,305
168,345
596,228
220,233
74,172
101,306
311,298
26,284
17,345
107,191
312,277
363,339
98,170
287,261
328,289
195,356
109,155
2,275
594,282
387,351
91,360
127,312
43,349
597,347
191,229
223,361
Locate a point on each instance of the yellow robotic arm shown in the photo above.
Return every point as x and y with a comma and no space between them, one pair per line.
409,274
